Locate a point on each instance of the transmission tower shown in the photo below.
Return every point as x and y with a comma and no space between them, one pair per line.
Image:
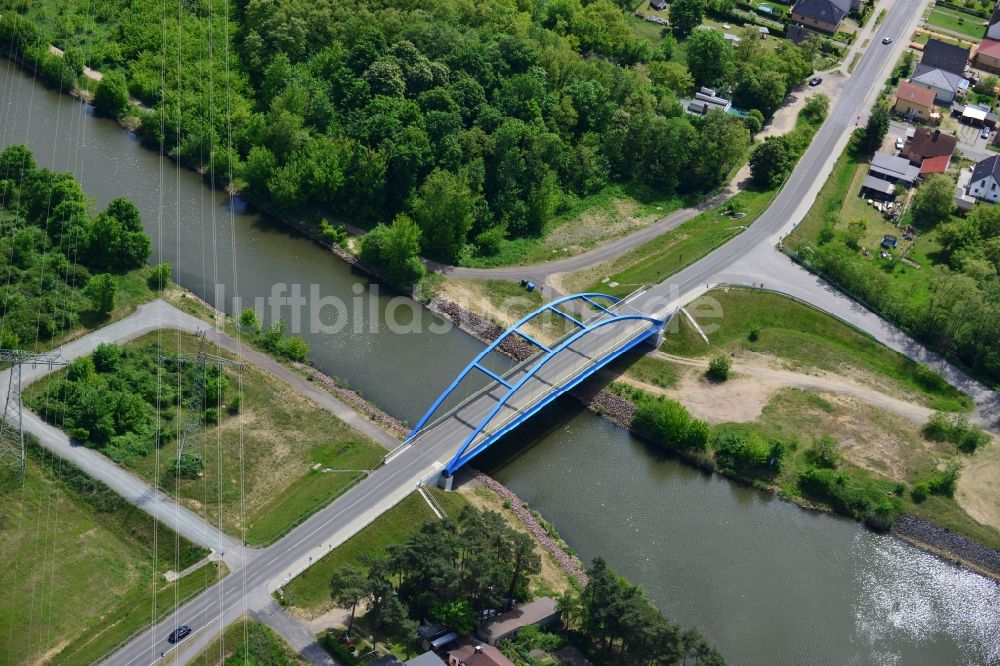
11,426
196,406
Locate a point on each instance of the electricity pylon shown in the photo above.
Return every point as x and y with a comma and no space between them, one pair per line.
11,426
196,406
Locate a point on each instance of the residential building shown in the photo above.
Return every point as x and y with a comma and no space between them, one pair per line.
926,143
993,31
941,55
945,84
914,101
540,612
984,183
470,653
891,169
988,55
425,659
824,15
933,165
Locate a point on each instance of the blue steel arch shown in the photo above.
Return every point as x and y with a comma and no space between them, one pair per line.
464,454
588,297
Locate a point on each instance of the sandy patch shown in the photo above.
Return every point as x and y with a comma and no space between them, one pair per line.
471,297
979,486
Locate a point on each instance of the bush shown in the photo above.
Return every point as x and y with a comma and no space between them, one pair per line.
189,466
747,452
111,96
159,276
335,234
825,452
943,482
846,494
955,428
331,642
295,348
235,403
106,357
754,334
250,322
919,493
718,368
669,425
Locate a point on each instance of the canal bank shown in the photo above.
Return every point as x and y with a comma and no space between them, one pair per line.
764,581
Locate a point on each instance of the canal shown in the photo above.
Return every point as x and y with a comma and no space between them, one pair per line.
765,582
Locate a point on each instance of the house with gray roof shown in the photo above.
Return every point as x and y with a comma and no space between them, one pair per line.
985,181
946,85
824,15
941,55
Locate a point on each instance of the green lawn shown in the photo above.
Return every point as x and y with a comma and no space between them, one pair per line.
284,440
79,565
647,369
246,641
668,253
964,24
310,591
614,211
802,336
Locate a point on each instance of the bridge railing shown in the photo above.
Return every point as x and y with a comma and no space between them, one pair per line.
520,366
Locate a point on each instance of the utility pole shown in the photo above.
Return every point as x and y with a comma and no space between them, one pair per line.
196,406
11,426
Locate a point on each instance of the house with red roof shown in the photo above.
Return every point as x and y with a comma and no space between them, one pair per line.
988,55
914,101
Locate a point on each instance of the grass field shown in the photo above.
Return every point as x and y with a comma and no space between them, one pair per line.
965,24
309,593
285,441
79,565
613,212
804,338
248,642
668,253
647,369
878,449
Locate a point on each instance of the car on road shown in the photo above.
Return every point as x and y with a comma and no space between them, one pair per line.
985,133
179,633
815,81
887,40
900,143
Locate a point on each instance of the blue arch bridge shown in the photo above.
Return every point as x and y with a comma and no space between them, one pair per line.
600,329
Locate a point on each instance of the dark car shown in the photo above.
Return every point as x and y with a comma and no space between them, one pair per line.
179,633
887,40
889,242
815,81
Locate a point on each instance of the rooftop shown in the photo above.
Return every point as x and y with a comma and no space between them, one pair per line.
989,47
925,143
826,11
426,659
989,166
935,165
534,612
476,654
942,55
915,94
939,78
893,167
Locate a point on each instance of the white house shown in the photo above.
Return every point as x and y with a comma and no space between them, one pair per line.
946,86
985,182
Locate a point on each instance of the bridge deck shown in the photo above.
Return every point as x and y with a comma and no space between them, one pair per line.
608,337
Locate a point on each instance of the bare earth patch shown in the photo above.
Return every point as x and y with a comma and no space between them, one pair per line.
597,225
979,486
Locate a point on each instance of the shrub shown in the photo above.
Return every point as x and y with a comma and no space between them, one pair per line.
919,493
111,96
336,234
943,482
159,276
825,452
189,466
669,425
846,494
929,379
747,452
250,321
955,428
718,368
754,334
236,403
295,348
106,357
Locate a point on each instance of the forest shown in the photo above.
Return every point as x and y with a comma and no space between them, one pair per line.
477,121
62,261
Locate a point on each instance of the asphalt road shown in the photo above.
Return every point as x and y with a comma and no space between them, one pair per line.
248,591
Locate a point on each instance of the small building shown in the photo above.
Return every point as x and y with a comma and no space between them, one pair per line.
945,85
889,242
941,55
975,114
764,32
925,144
470,653
706,100
428,658
963,200
540,612
892,169
824,15
658,5
434,636
988,55
984,183
914,101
